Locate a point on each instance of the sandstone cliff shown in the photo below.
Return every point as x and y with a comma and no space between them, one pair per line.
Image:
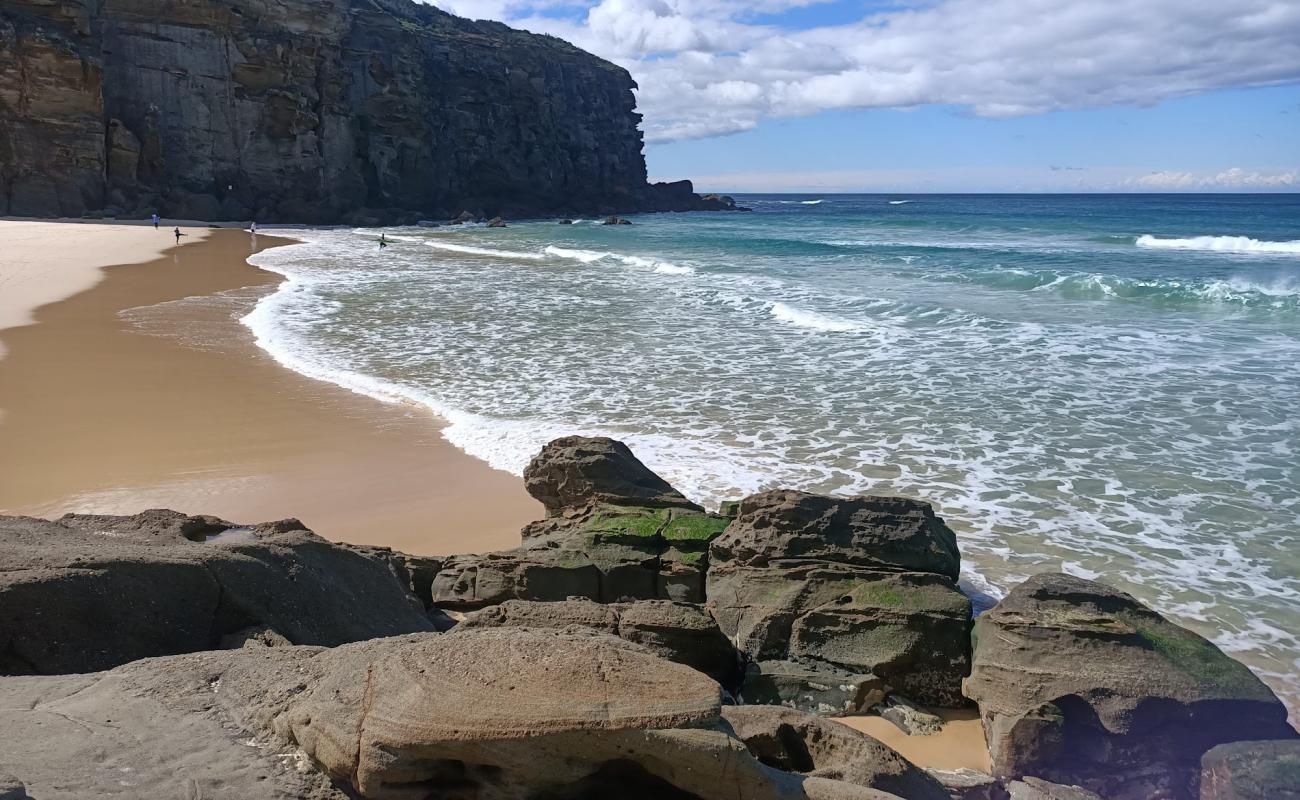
307,111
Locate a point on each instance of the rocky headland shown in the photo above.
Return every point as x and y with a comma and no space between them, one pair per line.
634,645
307,111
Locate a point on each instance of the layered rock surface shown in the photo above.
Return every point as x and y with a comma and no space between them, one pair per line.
486,714
1078,683
303,111
615,532
836,600
87,593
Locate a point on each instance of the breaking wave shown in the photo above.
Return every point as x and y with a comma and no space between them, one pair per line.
1220,244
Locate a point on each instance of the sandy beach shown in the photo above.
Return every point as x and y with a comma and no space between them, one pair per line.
137,388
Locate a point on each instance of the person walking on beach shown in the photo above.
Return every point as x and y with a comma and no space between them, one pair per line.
155,220
178,233
253,227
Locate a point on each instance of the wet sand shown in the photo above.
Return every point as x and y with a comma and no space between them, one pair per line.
960,743
174,406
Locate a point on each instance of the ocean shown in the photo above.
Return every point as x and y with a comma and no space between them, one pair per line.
1106,385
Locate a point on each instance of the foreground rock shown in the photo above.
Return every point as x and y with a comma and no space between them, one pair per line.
1079,683
87,593
679,632
499,713
614,532
838,600
796,741
1252,771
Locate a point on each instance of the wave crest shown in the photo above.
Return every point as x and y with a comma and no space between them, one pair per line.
812,320
1220,244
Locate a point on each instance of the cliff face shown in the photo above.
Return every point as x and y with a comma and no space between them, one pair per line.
307,110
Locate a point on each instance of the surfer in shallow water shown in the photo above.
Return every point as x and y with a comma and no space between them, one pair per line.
383,242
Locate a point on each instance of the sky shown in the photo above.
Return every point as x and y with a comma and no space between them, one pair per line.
950,95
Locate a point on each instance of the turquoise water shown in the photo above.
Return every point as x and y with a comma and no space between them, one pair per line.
1105,385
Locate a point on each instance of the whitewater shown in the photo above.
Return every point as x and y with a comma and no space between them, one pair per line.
1100,385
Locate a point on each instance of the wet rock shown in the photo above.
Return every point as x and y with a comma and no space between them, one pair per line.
796,741
1079,683
861,585
464,217
810,686
496,222
566,222
908,716
616,221
89,592
1251,771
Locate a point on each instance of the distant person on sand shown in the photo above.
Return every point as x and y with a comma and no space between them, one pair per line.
178,233
155,221
383,242
253,227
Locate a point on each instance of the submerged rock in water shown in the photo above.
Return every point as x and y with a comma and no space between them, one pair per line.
86,592
1079,683
859,586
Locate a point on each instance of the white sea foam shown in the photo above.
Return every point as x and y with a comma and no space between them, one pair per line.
811,202
1220,244
812,320
485,251
592,256
898,202
901,382
585,256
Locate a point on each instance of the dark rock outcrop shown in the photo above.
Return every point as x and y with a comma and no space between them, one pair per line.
305,111
615,532
576,471
90,592
680,632
796,741
857,594
969,784
1078,683
1252,771
497,713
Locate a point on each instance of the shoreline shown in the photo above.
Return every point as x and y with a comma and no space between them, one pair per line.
160,398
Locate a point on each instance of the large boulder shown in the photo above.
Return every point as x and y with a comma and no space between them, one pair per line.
858,585
796,741
615,532
575,471
1252,771
1079,683
86,593
489,714
680,632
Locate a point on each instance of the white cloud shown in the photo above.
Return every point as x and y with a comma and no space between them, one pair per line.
706,68
1235,178
985,178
